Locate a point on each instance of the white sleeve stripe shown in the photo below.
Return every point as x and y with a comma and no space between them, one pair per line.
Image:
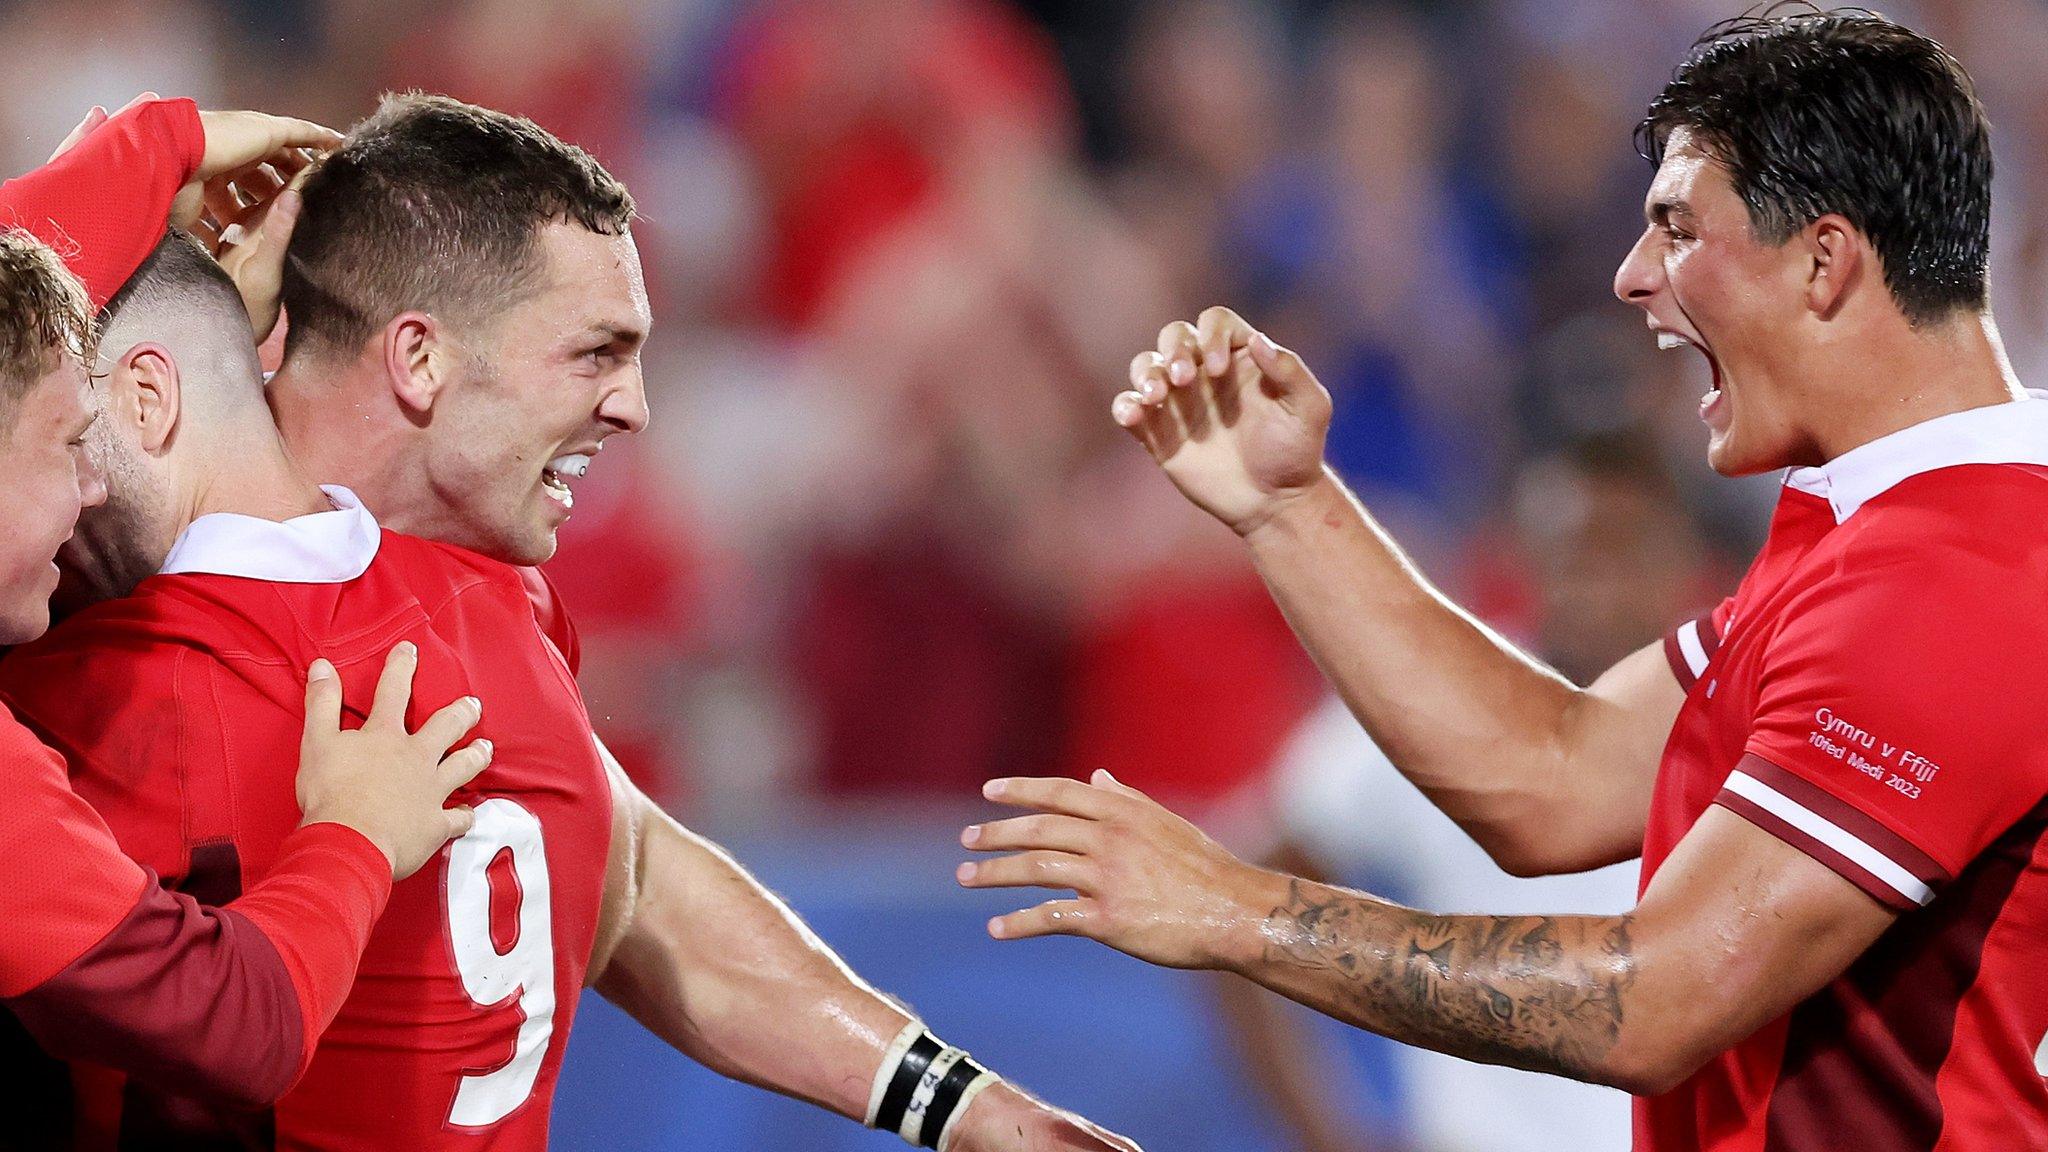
1813,824
1690,647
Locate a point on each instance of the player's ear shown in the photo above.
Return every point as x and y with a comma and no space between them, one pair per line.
1834,253
418,359
149,392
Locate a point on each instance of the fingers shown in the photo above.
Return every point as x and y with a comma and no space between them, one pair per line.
1148,377
394,686
93,119
1281,366
1050,794
465,765
291,132
1052,918
323,698
257,264
1180,348
1060,833
1221,332
450,724
1028,870
223,203
460,821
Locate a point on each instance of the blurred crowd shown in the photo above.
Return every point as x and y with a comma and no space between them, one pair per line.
882,539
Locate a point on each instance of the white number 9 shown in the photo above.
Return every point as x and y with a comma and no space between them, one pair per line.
526,970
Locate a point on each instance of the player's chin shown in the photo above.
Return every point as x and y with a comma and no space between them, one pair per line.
25,606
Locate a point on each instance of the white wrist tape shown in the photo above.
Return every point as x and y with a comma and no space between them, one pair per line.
923,1087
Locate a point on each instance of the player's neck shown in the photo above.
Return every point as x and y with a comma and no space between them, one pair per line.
1892,379
310,402
256,477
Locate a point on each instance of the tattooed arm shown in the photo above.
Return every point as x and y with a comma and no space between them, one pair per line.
1736,929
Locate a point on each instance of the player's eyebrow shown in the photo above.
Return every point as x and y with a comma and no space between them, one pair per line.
611,333
1660,212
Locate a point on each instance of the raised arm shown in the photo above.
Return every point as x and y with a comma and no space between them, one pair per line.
1547,776
1737,928
709,960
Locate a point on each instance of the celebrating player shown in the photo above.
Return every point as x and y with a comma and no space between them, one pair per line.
101,963
1837,781
462,395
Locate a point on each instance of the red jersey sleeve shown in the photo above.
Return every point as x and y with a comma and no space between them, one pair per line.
552,617
1892,740
1689,646
105,204
69,884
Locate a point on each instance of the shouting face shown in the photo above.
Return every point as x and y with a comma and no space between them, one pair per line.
1708,283
534,396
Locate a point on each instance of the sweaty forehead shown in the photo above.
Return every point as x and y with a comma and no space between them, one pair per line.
593,279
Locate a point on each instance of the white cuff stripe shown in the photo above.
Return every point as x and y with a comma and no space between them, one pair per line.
1813,824
1689,646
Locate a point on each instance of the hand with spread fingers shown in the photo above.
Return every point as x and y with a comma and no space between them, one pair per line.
1236,421
1145,881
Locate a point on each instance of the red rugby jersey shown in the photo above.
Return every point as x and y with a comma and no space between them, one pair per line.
100,961
453,1034
1871,695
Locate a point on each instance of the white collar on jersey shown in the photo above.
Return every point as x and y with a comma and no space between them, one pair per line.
320,548
2013,433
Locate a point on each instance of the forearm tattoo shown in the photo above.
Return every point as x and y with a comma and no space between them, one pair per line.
1544,993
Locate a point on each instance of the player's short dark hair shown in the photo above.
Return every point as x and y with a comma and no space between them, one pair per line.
436,205
44,314
1815,112
178,270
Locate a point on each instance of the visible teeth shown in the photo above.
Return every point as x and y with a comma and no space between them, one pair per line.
1666,341
569,466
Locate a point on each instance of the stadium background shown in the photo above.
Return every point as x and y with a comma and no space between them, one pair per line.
882,542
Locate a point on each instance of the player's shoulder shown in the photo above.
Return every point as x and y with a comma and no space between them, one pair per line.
1968,525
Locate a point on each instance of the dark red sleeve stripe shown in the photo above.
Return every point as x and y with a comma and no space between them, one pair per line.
1848,818
193,999
1851,871
1688,647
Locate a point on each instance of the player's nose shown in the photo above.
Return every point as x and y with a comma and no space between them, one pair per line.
624,407
92,482
1641,274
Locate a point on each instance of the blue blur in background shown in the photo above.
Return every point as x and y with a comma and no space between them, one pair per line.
1133,1047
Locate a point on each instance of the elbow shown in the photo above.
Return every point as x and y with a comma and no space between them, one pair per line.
1651,1074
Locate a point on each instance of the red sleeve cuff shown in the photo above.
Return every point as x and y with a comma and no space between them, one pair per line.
317,906
1866,853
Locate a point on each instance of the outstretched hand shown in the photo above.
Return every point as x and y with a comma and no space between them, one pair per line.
1145,881
1235,420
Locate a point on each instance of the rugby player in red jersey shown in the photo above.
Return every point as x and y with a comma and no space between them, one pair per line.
100,962
1837,782
500,364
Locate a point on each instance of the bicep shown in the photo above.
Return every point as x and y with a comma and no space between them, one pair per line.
1613,737
622,864
1737,928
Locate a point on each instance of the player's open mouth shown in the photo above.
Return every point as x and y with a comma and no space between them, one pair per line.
1712,408
554,478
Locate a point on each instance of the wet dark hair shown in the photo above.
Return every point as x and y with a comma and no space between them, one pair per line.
1843,111
436,205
